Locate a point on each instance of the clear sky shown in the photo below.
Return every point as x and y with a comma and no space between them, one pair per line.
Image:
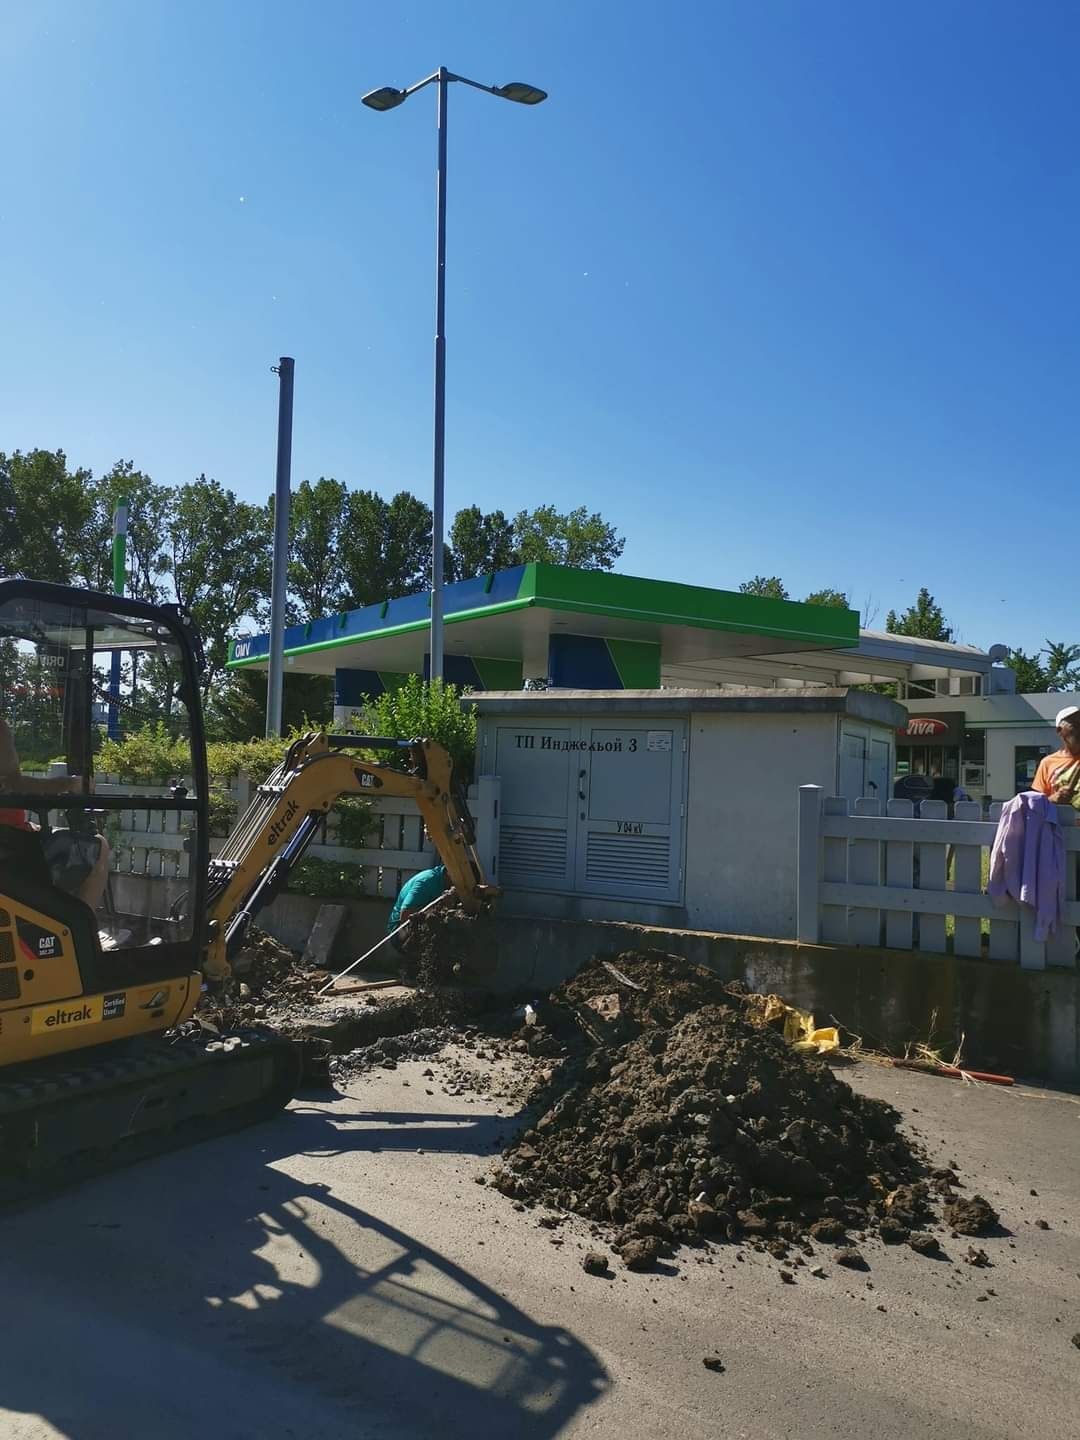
778,287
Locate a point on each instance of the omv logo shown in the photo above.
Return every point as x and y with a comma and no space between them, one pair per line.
241,649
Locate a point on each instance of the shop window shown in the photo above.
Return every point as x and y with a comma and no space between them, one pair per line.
1025,762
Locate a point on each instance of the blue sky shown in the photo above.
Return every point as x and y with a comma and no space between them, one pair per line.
782,288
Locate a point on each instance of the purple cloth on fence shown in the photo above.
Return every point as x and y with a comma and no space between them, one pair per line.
1028,859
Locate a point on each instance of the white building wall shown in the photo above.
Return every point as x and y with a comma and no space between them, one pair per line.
744,775
735,843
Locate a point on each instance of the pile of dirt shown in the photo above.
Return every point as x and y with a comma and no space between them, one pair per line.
683,1119
268,980
385,1054
450,946
613,1001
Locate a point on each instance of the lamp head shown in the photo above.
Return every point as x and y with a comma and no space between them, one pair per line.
387,98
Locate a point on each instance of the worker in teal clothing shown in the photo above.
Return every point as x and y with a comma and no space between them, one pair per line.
424,887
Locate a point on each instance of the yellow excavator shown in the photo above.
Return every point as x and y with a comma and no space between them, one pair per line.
97,1063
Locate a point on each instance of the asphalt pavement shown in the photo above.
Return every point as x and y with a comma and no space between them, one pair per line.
339,1272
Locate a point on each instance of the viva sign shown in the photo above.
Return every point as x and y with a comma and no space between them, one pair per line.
922,727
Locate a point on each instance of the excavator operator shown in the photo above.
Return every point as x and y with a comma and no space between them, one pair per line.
73,862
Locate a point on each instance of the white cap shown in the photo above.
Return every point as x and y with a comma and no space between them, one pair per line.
1066,714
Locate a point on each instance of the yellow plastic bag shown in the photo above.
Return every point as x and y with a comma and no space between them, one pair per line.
800,1031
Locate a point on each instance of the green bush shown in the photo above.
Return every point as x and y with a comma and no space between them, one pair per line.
150,757
328,880
356,820
225,759
425,709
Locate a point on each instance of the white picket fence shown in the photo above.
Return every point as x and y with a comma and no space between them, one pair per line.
896,880
150,843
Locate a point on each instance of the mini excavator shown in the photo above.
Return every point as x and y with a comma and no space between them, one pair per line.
97,1063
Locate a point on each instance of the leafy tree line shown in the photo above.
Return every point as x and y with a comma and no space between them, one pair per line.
198,545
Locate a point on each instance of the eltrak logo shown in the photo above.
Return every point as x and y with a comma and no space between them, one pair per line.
65,1017
69,1017
278,828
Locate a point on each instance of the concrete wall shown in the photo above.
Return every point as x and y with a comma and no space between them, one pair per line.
1017,1022
744,775
289,918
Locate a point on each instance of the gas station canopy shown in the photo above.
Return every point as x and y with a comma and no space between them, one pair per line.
591,629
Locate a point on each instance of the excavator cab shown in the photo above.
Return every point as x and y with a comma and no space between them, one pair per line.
80,913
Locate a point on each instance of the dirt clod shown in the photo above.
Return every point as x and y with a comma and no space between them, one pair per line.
827,1230
595,1263
971,1217
978,1258
892,1232
852,1259
924,1243
640,1254
714,1363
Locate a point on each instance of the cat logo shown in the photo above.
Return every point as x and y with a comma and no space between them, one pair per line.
46,945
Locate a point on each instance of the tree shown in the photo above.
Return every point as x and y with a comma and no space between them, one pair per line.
577,538
769,587
218,562
924,620
9,530
833,599
238,707
54,510
479,543
316,517
149,505
385,547
1031,676
1059,670
1063,669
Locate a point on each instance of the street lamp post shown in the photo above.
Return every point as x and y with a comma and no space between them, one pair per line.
388,98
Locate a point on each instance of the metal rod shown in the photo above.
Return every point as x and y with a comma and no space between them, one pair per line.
380,943
439,457
282,491
119,570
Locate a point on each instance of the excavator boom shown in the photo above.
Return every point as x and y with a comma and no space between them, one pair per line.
290,806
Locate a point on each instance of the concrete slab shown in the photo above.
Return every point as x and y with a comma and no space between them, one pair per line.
324,934
339,1272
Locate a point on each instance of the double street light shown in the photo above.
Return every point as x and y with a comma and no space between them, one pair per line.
387,98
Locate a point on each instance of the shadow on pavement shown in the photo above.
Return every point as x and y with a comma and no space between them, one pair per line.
210,1293
467,1134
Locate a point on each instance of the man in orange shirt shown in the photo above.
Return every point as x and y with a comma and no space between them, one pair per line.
1058,775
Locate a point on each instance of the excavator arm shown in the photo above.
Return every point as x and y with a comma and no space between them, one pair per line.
288,809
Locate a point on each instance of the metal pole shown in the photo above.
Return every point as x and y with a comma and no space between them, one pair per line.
436,646
119,570
282,491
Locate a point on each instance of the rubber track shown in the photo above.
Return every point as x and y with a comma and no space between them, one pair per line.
127,1076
